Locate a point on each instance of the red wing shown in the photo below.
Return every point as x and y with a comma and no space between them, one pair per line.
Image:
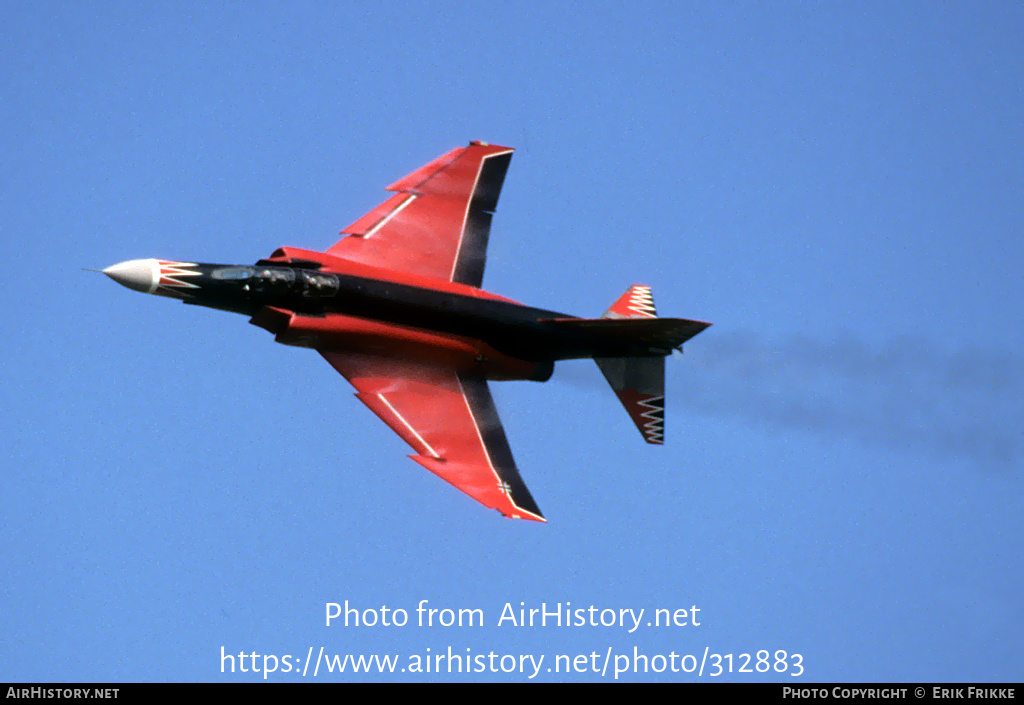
438,222
451,422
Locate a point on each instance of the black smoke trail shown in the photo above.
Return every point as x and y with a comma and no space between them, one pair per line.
907,393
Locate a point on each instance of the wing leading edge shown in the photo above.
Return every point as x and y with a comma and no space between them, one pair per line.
449,420
439,220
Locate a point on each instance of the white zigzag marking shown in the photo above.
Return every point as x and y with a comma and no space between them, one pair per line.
654,429
641,302
170,270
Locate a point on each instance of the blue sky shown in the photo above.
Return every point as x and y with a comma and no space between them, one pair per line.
835,186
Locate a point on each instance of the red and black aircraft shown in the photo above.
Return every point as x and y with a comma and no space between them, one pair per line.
396,307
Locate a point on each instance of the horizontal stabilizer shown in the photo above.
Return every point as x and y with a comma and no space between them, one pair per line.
658,335
639,383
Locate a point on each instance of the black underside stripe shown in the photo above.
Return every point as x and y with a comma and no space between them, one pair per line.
472,255
481,404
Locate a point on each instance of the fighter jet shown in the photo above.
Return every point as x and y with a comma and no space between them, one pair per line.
396,307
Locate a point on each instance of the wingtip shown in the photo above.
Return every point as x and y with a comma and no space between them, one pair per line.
495,148
526,515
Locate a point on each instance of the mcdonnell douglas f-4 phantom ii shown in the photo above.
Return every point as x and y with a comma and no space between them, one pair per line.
396,307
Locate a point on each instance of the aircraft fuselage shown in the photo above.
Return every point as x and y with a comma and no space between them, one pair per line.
317,307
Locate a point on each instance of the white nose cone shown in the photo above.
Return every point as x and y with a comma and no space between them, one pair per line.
139,274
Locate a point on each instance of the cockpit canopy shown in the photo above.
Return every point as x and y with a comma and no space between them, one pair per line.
232,273
318,284
307,283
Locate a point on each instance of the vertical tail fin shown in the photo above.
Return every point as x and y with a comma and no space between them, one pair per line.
637,302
